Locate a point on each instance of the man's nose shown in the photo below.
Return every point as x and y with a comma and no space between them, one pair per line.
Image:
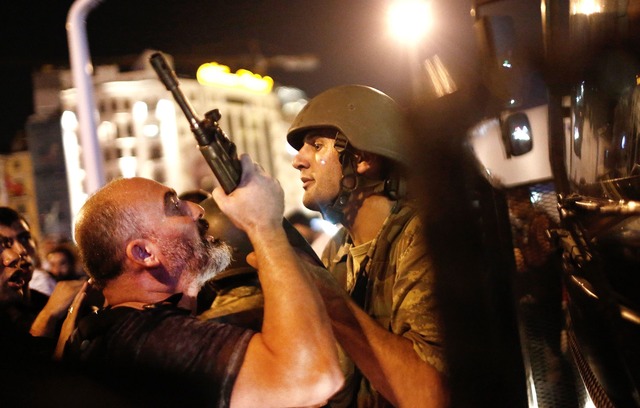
18,248
299,160
196,210
11,258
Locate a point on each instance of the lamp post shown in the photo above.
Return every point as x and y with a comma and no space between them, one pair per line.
409,22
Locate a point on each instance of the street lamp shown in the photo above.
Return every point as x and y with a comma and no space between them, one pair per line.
409,21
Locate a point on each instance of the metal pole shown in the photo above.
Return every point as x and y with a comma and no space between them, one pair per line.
82,70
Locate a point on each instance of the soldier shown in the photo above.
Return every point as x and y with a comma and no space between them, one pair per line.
349,157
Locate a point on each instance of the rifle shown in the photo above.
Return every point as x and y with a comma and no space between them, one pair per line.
216,148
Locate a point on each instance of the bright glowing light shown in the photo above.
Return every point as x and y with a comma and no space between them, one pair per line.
140,111
68,121
324,226
290,150
586,7
150,130
535,197
106,130
126,143
506,64
165,112
441,80
164,108
214,74
128,166
294,107
409,20
521,133
75,173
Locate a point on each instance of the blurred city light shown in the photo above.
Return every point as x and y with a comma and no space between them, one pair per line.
128,166
441,79
164,108
409,20
140,111
214,74
150,130
69,121
586,7
325,226
77,196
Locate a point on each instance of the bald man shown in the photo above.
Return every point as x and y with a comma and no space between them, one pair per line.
149,253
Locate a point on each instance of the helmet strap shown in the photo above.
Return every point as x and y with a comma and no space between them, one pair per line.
395,187
348,183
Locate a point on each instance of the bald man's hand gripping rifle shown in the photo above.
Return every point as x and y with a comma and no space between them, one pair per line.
216,148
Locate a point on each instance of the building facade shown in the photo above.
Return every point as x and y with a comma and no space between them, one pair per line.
142,132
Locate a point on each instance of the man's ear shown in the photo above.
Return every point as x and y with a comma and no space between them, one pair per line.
142,252
367,163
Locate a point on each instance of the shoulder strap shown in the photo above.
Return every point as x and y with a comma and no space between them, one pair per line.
379,251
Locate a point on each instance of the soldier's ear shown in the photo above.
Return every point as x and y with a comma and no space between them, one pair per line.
368,163
142,252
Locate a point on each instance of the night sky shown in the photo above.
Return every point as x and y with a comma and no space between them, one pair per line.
349,38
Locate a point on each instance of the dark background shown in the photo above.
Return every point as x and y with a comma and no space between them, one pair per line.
349,38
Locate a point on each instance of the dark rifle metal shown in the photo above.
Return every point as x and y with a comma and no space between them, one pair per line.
218,150
215,146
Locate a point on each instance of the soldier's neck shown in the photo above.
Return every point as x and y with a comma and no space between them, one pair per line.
364,224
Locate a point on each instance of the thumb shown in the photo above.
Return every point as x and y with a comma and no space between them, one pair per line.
252,260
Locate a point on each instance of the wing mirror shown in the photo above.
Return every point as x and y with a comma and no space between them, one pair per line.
516,134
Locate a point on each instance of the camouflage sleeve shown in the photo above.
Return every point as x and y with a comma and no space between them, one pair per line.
414,312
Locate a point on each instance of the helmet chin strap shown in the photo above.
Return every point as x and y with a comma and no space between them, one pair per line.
392,187
348,183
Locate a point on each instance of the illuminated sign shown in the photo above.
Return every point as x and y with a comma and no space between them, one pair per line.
214,74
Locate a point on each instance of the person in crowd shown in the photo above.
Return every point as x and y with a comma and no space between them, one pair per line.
316,237
62,262
40,283
30,377
15,314
350,160
149,253
27,334
38,314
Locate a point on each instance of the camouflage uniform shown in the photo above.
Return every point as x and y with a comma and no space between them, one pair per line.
397,289
237,299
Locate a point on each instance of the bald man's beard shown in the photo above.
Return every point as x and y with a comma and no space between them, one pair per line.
201,258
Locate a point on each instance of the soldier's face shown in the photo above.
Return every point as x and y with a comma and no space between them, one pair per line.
320,170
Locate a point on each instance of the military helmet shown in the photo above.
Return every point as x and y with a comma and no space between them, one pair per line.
221,227
371,120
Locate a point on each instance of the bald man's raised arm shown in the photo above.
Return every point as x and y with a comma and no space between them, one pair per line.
293,361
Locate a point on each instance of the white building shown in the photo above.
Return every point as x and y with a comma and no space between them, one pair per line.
143,132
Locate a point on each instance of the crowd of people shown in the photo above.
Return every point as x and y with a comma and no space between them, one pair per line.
204,301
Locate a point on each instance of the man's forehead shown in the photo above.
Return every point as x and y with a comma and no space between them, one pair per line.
138,188
155,195
11,232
